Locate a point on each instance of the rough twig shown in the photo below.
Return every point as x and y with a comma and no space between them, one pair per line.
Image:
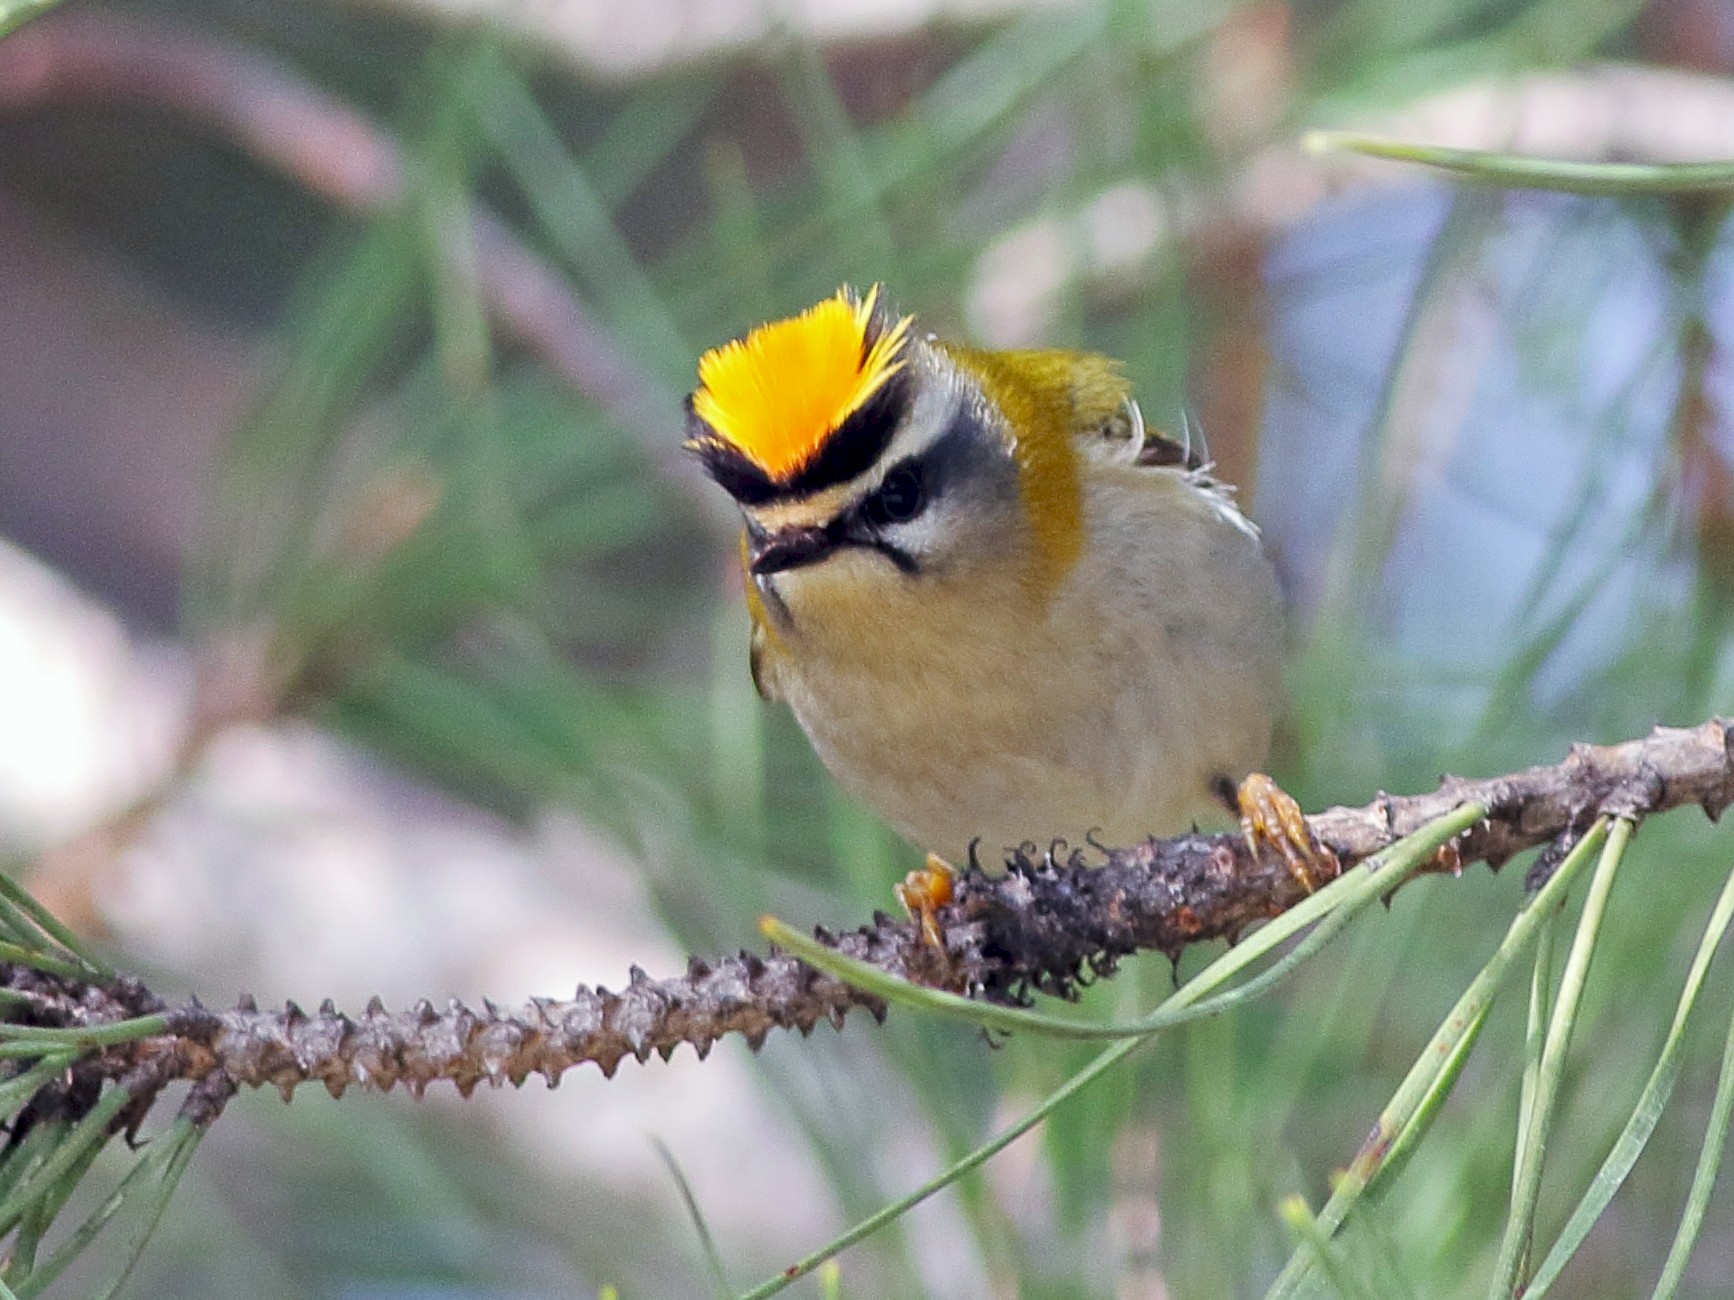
1050,922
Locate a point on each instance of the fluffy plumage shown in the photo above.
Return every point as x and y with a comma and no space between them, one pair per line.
1017,616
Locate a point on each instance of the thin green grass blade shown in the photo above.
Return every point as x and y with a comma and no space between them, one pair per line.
16,1091
260,534
1658,1089
44,1276
104,1035
1514,1249
21,899
1193,991
1537,646
707,1243
1421,1082
183,1139
50,1205
45,1210
990,1015
1511,171
976,100
645,130
463,348
1535,1035
1362,541
835,151
739,234
462,339
89,1131
1703,1178
65,968
22,1248
14,927
15,13
1427,1110
14,924
1347,1017
1337,904
577,221
1554,601
23,1160
1334,1263
1100,1065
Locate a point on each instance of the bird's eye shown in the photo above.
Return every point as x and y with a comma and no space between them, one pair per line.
899,498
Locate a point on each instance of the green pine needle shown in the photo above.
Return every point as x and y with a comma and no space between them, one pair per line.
1334,907
103,1035
1658,1089
15,13
88,1132
18,1090
707,1243
1514,1249
65,968
1513,171
182,1141
1334,1263
1410,851
1416,1100
1703,1178
17,899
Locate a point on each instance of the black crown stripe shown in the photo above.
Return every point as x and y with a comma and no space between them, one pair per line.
851,449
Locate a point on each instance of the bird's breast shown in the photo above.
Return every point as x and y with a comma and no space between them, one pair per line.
963,711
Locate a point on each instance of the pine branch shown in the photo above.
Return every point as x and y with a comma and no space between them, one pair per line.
1051,922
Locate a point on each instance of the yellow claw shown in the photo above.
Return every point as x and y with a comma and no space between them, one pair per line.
1271,819
923,893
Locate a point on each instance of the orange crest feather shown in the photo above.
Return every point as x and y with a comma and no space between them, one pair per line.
778,393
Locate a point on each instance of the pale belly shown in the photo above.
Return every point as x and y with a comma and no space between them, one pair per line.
1020,747
1114,715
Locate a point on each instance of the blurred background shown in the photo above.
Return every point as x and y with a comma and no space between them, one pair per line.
363,630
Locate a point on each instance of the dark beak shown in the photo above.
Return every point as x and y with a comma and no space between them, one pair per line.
789,549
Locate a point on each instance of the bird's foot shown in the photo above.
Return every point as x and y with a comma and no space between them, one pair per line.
1271,819
923,893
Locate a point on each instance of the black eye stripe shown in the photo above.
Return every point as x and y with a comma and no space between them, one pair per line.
858,442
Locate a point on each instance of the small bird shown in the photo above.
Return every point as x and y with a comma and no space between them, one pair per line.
1003,609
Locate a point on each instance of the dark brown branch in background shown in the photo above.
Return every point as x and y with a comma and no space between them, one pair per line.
339,154
1050,922
285,122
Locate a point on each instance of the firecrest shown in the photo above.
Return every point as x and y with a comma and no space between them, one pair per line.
1001,607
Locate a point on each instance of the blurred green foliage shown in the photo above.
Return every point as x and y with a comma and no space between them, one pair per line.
421,537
